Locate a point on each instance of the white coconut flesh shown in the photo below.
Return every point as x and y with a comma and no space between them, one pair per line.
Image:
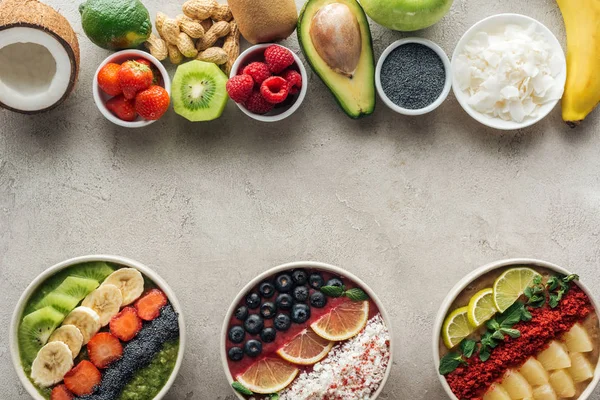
35,69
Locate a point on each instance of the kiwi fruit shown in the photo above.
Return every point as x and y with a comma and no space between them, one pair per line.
77,287
61,302
97,270
198,91
35,330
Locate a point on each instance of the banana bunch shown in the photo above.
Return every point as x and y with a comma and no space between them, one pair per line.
582,91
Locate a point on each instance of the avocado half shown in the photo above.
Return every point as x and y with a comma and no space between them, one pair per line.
336,40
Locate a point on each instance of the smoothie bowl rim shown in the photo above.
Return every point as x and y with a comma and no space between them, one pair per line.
480,271
51,271
306,265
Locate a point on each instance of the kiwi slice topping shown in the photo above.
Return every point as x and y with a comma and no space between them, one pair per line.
35,330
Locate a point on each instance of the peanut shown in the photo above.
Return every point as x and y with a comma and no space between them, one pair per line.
218,30
214,55
207,24
190,26
232,46
185,44
170,31
199,9
157,47
175,55
222,13
160,20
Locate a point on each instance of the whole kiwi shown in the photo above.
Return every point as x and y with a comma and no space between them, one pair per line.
262,21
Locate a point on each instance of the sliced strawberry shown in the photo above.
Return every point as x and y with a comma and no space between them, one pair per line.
104,349
126,324
83,379
61,392
148,307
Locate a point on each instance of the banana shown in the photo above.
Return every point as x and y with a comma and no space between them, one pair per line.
129,281
106,301
86,320
69,335
582,91
52,363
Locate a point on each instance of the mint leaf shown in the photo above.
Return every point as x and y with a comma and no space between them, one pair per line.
488,341
241,388
552,283
492,324
484,354
332,291
498,335
513,333
467,347
537,280
553,301
512,315
450,362
570,278
356,294
274,396
528,292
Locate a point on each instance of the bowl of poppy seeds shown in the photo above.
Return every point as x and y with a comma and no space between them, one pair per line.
413,76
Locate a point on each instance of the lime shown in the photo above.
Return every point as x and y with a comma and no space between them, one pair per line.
481,307
509,286
456,327
344,321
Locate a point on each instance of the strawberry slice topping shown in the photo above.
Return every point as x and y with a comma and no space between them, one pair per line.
104,349
148,306
61,392
82,379
126,324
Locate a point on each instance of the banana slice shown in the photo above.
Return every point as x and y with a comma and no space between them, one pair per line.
106,301
129,281
52,363
86,320
69,335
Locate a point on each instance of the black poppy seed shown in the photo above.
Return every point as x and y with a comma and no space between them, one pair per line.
413,76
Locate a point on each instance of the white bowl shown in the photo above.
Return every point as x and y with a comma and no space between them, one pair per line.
466,281
305,264
447,85
17,315
101,98
490,24
254,53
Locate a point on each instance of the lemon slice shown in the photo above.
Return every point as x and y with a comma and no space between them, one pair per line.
482,307
344,321
269,375
509,286
456,327
307,348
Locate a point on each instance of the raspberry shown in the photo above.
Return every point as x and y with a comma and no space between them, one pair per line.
278,58
258,71
275,89
240,88
294,80
257,104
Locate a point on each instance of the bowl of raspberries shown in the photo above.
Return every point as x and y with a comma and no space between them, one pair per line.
132,89
268,82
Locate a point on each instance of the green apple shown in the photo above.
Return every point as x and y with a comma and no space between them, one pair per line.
406,15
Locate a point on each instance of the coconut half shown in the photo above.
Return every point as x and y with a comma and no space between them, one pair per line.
39,57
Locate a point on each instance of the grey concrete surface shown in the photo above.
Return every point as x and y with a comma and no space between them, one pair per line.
408,204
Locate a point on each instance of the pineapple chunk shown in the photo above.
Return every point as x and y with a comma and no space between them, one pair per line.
578,340
534,372
516,385
496,392
554,357
544,392
581,370
562,383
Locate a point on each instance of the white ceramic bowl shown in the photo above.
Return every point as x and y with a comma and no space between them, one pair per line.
255,53
308,265
490,24
17,315
447,85
101,98
466,281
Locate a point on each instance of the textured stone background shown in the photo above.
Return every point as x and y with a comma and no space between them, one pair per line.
409,204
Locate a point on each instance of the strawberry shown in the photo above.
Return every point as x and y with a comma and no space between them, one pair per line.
152,103
144,61
134,77
278,58
104,349
240,88
157,80
294,80
257,104
61,392
124,109
108,79
126,324
275,90
83,379
148,306
258,71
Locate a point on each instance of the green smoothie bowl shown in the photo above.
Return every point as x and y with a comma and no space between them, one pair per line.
97,328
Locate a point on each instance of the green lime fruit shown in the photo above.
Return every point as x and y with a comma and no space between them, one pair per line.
116,24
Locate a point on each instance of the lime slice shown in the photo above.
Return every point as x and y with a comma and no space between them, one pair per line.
456,327
481,307
509,286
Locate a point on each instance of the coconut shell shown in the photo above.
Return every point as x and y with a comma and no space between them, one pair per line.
262,21
36,15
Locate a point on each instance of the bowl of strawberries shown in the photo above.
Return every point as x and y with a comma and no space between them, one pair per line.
132,89
268,82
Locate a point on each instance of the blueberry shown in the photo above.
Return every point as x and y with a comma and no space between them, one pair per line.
282,322
299,277
253,300
253,348
237,334
301,293
235,353
266,290
316,281
283,283
300,313
335,282
268,335
254,324
241,313
318,300
284,301
267,310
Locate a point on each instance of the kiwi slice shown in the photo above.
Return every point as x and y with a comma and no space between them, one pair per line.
35,330
76,287
97,270
198,91
59,301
